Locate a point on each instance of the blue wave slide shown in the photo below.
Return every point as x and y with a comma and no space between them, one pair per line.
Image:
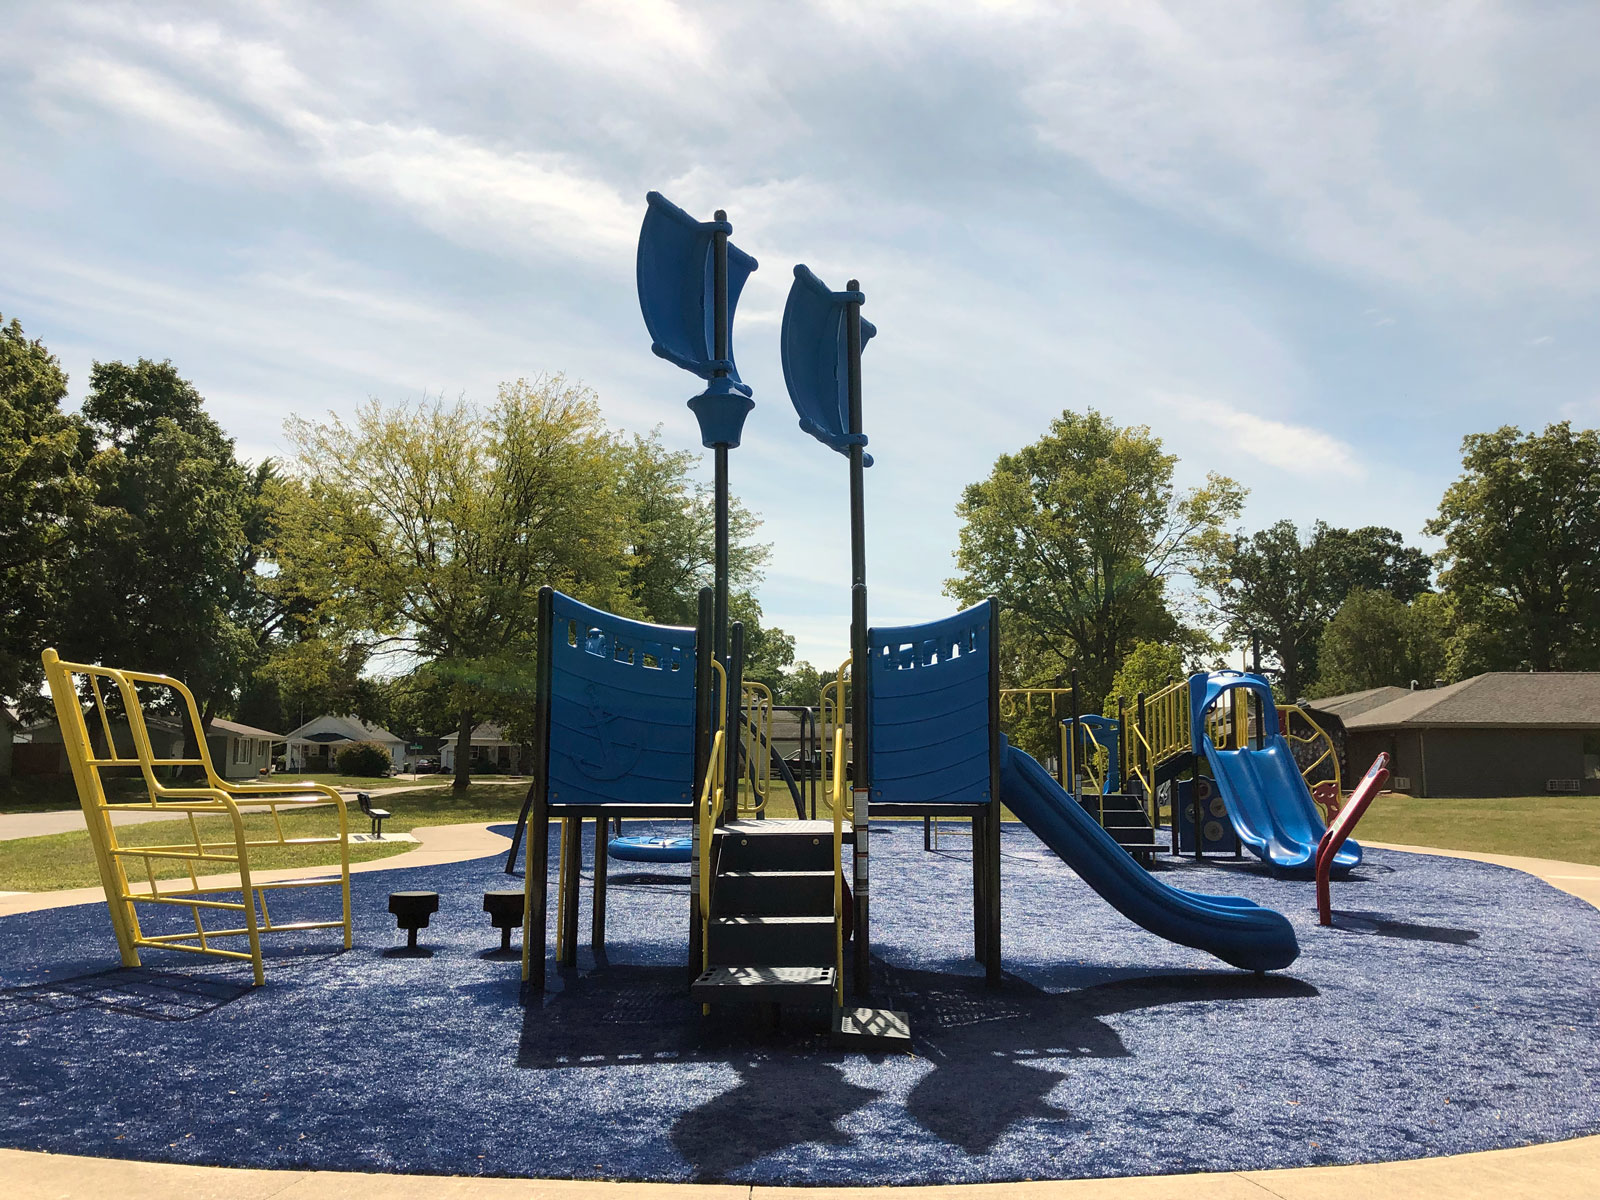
1236,930
1268,800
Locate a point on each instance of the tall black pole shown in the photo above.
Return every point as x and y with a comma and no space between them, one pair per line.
719,348
859,665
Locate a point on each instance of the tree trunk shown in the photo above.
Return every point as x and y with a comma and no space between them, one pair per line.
463,777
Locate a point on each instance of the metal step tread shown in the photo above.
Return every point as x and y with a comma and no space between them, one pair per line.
778,828
774,874
791,922
750,983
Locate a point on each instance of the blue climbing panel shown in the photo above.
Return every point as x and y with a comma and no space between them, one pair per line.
816,359
675,280
622,709
928,708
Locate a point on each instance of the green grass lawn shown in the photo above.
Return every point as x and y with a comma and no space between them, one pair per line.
66,860
1563,827
53,793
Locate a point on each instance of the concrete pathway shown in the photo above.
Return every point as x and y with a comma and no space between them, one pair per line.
436,845
1555,1171
70,820
1567,1170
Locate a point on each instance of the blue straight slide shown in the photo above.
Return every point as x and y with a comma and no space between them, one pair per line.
1267,798
1236,930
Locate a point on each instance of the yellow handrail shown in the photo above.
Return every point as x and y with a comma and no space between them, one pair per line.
712,801
711,804
830,714
755,733
838,866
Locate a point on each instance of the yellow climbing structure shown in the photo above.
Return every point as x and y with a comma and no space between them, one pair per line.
209,820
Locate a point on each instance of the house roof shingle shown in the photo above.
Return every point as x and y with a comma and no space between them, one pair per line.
1546,699
351,729
1352,704
218,725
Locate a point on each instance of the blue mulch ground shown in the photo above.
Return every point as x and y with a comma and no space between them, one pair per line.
1451,1009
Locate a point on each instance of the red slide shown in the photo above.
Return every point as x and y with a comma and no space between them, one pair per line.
1342,826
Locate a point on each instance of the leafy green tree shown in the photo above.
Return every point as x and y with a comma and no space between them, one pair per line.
435,525
167,577
800,684
672,533
1521,527
1080,535
1280,589
1377,640
768,651
1147,668
45,504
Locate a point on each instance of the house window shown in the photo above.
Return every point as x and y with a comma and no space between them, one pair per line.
238,750
1591,755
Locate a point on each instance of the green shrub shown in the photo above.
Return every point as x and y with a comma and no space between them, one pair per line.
364,759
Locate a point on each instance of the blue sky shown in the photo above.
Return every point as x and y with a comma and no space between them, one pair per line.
1311,245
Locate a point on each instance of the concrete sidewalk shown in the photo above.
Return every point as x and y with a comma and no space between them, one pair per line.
437,844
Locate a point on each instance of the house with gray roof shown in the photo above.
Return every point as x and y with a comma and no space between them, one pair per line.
315,745
1503,733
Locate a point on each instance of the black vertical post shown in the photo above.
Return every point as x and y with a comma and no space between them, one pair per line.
731,773
860,667
1122,746
991,839
536,868
572,885
597,914
704,719
719,349
1142,750
1077,735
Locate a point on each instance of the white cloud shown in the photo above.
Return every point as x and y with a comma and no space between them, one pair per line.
1280,444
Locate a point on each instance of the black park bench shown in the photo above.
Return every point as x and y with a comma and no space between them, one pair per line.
377,815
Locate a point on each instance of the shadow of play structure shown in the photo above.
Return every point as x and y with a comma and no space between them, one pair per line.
640,720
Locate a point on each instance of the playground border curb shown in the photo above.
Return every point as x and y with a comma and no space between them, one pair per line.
1564,1170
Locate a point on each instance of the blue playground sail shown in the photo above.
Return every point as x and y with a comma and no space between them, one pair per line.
676,287
816,359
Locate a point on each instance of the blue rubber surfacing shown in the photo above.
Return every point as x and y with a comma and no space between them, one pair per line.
1451,1009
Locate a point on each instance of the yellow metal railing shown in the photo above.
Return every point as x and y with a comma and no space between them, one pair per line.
1022,700
216,798
755,735
1165,729
830,716
1090,762
713,800
838,865
1317,736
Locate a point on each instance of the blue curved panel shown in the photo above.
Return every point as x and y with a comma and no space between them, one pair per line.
816,361
621,709
674,271
1267,797
928,705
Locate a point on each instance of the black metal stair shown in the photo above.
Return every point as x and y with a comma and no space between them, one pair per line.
771,934
1126,818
